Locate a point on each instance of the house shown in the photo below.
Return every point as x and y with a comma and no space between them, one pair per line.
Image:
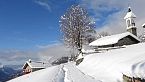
31,66
127,38
116,40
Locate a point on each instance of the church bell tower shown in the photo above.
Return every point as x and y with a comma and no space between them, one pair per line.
130,16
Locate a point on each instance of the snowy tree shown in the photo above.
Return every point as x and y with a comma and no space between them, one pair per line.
101,34
142,37
76,25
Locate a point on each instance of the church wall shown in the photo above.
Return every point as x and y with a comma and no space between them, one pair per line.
128,40
133,31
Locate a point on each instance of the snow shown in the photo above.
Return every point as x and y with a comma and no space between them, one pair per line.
1,65
87,49
110,66
35,64
130,15
61,73
45,75
107,40
75,75
80,56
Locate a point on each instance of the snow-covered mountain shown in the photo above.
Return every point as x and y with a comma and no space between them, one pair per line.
8,72
108,66
1,65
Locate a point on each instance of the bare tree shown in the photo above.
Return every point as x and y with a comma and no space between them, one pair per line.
75,26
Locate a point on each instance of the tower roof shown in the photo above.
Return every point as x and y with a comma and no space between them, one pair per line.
130,14
129,9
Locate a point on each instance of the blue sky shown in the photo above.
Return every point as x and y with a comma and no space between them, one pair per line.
29,29
25,24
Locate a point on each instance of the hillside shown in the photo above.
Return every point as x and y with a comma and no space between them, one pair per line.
61,73
108,66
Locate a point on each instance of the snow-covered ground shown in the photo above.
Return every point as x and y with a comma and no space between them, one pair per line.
61,73
110,66
51,74
107,66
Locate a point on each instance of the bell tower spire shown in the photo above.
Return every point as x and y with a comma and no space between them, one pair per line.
130,16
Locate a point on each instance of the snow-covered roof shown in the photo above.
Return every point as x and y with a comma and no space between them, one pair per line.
130,14
113,39
143,25
35,64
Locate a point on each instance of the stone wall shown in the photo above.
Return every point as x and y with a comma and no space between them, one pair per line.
132,79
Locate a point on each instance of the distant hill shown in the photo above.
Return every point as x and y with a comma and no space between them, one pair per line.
9,72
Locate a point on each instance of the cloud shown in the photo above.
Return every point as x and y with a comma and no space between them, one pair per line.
43,3
52,52
111,13
53,43
44,53
16,56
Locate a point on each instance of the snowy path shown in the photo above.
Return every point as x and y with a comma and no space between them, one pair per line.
73,74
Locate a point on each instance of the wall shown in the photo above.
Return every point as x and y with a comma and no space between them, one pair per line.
128,40
27,70
132,79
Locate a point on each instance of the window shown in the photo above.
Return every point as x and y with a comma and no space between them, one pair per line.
133,23
128,23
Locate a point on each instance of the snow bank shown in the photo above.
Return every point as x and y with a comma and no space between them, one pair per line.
111,65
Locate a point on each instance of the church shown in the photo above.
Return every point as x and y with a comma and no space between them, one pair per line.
126,38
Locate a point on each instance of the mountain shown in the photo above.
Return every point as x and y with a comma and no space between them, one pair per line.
9,72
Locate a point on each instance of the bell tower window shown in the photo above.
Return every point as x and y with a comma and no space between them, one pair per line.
133,23
128,23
